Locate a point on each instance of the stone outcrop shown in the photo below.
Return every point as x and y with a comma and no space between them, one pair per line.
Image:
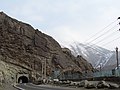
23,46
103,84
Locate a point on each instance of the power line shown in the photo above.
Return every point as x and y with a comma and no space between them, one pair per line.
89,46
101,30
103,39
103,34
110,41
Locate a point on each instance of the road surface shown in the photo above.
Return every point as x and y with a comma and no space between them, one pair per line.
29,86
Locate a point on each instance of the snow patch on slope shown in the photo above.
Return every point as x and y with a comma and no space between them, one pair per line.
94,54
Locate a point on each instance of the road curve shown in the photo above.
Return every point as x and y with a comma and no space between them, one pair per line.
28,86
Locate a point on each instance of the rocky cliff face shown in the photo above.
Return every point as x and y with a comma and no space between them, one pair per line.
27,48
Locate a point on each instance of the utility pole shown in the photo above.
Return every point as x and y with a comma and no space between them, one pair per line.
35,71
117,57
42,70
45,70
34,64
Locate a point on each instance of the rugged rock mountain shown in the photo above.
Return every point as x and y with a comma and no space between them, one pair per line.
25,49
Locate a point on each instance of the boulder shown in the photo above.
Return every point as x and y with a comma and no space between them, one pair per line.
76,83
56,81
83,83
60,82
103,84
72,84
90,86
67,82
113,86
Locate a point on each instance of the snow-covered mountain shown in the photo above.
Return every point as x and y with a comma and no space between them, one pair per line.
97,56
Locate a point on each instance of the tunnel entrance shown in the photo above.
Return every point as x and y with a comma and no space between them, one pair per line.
22,79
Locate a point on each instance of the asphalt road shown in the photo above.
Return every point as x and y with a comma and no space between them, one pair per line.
29,86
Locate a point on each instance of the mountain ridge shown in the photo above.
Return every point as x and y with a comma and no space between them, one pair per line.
26,49
96,55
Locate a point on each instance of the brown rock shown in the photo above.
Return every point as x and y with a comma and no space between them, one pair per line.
29,48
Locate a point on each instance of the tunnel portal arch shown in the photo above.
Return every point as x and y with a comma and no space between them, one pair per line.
23,79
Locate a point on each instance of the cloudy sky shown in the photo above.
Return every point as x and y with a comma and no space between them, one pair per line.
70,21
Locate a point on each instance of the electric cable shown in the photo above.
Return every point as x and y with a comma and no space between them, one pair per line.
111,41
101,30
103,39
101,35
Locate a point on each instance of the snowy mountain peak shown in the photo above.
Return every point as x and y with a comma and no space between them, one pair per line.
94,54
